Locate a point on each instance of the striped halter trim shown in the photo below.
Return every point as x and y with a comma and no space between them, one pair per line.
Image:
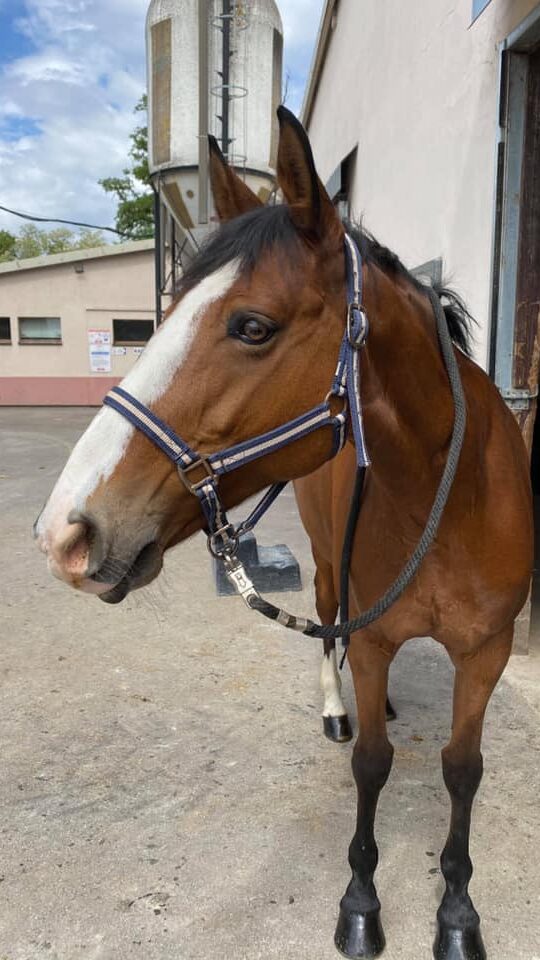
200,474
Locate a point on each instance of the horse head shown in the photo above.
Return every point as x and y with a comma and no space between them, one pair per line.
250,342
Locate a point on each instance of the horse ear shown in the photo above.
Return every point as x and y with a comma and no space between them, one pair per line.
232,196
311,207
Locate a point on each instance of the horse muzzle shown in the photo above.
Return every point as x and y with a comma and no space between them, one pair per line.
79,554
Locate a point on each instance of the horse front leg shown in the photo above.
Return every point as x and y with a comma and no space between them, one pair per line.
359,933
458,935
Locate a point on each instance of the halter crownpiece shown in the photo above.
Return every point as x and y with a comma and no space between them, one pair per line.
200,474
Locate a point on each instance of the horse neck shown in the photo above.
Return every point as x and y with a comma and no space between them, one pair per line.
407,402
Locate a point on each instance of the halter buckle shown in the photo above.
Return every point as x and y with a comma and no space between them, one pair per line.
195,486
229,537
356,339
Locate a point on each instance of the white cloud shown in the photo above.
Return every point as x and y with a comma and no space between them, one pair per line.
300,25
77,91
48,66
300,21
66,110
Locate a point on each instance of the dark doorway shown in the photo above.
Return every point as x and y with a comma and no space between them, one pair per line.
526,336
527,323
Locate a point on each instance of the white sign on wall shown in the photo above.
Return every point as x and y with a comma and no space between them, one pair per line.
99,346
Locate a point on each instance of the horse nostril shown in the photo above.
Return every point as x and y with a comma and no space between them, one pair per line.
83,550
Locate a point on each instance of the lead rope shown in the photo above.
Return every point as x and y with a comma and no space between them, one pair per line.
348,541
237,574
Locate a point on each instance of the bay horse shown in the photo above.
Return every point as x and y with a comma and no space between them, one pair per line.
251,341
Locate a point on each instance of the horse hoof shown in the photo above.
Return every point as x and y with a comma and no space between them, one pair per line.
337,729
390,712
359,935
453,944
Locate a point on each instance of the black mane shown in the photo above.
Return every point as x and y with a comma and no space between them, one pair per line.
248,237
458,317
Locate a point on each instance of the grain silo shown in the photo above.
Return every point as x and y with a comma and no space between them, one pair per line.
214,66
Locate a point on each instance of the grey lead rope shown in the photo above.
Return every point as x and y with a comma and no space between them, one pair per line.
243,585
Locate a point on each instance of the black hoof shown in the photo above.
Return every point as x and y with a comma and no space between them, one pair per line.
453,944
337,729
359,935
390,712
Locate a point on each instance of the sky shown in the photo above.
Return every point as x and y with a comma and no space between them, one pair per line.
71,72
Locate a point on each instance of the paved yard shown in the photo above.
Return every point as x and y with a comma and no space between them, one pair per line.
165,789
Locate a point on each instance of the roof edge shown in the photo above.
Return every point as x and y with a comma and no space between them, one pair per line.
72,256
317,61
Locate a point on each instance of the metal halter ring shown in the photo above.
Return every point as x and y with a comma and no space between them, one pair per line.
338,396
229,537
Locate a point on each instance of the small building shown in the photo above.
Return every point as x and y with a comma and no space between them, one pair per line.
72,324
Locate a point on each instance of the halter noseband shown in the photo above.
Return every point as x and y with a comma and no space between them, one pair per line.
200,474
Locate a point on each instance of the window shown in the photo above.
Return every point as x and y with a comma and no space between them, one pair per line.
5,330
339,186
132,333
40,330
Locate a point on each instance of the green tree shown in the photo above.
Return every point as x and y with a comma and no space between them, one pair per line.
135,210
35,242
30,242
57,241
7,246
89,238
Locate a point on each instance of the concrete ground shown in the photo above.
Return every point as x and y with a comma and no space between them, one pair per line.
165,789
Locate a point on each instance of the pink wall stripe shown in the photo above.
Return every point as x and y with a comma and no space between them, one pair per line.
54,391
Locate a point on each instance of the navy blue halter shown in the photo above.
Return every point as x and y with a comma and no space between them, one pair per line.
200,474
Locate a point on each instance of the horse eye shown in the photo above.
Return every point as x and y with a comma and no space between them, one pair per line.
251,329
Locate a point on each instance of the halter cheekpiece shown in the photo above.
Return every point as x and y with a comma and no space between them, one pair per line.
200,474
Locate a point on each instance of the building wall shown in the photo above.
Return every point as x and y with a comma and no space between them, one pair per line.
110,287
416,86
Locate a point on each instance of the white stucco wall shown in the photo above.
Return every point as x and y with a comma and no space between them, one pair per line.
416,86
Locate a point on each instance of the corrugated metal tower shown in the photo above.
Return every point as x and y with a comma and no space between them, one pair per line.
214,66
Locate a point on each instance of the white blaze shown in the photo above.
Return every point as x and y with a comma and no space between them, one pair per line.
104,443
331,687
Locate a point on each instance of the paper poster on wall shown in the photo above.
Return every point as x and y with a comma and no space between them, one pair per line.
119,351
99,345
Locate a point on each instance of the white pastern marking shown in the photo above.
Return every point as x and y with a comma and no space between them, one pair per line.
331,687
104,443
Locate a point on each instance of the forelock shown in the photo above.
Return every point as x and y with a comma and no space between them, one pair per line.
245,240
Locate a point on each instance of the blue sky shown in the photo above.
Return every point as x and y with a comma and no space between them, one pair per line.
71,72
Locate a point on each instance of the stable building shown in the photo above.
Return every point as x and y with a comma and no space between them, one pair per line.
425,121
73,324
